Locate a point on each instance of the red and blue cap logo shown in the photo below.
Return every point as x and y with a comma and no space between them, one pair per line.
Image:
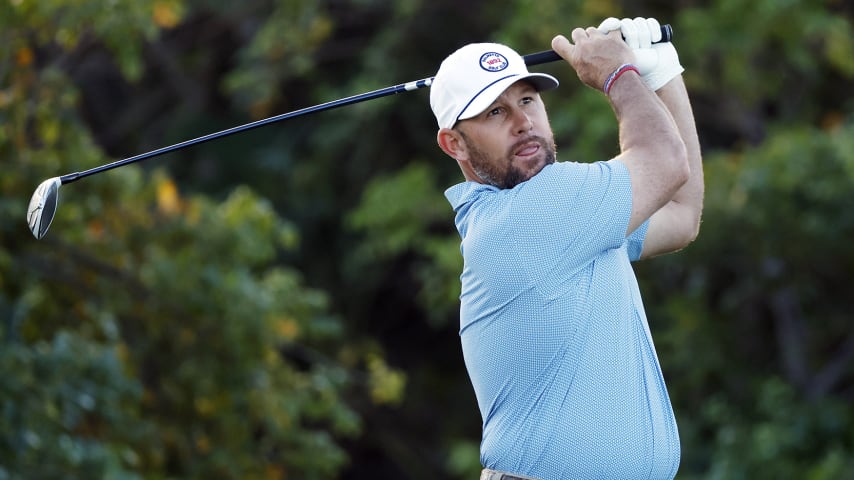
493,62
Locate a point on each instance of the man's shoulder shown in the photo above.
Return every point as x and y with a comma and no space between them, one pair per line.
570,168
465,192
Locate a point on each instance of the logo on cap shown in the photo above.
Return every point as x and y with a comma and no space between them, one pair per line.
493,62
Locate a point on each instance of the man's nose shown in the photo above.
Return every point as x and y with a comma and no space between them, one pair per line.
524,123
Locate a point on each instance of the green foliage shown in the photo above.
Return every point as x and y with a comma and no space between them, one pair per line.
780,436
794,47
282,49
69,411
196,328
464,459
150,335
397,215
756,315
386,384
121,25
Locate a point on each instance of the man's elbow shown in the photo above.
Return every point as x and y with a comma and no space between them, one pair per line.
672,156
682,236
681,168
692,231
689,226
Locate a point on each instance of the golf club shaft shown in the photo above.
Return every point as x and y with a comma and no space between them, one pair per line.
530,60
383,92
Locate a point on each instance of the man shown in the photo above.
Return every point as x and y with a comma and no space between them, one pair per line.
552,326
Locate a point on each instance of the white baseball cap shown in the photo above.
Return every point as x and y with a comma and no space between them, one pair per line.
471,78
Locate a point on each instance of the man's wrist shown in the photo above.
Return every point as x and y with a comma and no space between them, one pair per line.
617,73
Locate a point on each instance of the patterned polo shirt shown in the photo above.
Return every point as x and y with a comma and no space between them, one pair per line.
553,329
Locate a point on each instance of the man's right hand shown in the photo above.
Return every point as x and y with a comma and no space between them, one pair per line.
594,55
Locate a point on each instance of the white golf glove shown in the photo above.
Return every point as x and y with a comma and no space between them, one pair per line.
658,63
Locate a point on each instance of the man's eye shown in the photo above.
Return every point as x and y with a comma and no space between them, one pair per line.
494,111
527,100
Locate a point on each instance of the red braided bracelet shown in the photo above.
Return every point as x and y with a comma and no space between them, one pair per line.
609,82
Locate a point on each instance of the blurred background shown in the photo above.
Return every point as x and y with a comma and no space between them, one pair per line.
282,304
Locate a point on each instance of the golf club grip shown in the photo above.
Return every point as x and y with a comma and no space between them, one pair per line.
552,56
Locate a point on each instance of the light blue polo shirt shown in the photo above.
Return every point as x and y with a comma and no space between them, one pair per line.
553,330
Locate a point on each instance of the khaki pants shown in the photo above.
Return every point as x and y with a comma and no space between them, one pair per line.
489,474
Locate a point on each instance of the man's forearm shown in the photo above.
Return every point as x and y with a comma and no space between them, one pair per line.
675,97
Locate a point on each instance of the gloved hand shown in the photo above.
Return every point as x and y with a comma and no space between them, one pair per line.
658,63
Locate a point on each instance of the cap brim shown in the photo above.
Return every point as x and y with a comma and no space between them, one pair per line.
484,99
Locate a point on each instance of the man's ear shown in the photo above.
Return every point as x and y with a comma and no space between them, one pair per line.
451,142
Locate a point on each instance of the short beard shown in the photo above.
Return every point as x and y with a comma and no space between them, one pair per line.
511,176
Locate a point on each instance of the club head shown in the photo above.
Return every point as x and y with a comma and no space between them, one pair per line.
43,206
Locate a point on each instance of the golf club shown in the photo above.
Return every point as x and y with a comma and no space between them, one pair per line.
43,203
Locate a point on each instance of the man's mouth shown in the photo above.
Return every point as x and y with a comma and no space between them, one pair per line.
528,150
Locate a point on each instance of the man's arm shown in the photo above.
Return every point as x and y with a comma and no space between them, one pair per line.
677,223
650,142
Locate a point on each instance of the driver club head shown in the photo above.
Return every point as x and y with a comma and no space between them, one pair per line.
43,206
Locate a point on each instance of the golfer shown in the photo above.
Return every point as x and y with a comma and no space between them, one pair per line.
553,329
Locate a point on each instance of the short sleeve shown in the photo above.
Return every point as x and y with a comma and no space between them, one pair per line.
635,241
571,212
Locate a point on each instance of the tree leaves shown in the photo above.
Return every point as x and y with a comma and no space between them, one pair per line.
144,337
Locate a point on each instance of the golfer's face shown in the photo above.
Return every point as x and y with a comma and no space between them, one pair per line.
510,141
